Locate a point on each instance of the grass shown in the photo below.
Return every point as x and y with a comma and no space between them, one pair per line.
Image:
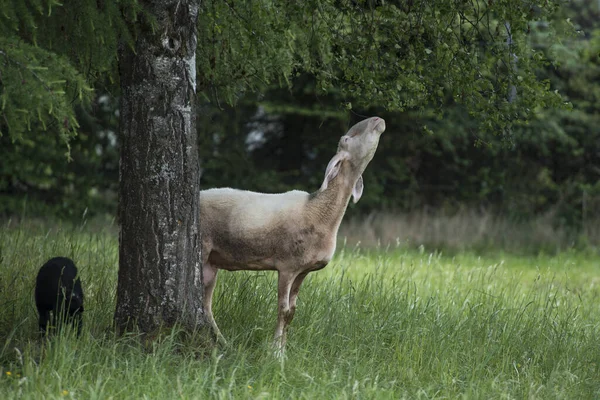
470,228
373,324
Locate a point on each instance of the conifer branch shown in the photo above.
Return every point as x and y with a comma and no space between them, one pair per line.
24,67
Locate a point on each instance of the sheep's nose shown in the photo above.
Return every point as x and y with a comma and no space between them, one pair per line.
379,124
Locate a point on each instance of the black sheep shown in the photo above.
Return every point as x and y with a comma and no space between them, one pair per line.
58,291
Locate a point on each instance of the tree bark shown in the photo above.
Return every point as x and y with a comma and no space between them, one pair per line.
160,281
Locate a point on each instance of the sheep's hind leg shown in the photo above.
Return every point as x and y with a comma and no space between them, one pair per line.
210,280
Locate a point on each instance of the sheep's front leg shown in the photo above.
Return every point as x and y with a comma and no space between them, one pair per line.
210,279
44,317
283,309
294,294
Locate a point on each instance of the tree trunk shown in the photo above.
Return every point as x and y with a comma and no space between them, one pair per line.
160,279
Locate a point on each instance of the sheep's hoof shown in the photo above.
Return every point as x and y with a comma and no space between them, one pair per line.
217,336
279,349
221,341
279,353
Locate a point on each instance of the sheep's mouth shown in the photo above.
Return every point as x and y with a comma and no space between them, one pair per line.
379,125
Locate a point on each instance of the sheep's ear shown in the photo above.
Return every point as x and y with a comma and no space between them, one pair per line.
357,190
333,168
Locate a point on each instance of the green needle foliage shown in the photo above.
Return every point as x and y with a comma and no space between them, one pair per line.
396,55
35,93
51,56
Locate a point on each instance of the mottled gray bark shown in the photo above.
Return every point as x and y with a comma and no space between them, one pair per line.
160,280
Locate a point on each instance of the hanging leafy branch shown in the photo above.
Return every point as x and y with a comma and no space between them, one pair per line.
38,90
51,56
393,54
397,55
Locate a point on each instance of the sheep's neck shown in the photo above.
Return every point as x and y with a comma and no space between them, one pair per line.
329,205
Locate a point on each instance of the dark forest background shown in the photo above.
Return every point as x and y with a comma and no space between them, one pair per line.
430,160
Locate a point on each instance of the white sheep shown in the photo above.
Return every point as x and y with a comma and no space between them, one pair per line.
293,233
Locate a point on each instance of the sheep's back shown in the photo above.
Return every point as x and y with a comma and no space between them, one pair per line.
242,210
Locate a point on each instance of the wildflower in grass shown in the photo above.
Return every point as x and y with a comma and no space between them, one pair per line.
8,373
249,387
64,392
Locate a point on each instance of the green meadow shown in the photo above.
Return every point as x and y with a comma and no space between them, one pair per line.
375,323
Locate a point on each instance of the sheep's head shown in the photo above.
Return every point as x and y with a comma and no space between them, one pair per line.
356,147
361,141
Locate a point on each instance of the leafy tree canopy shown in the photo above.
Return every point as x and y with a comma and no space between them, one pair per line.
395,54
